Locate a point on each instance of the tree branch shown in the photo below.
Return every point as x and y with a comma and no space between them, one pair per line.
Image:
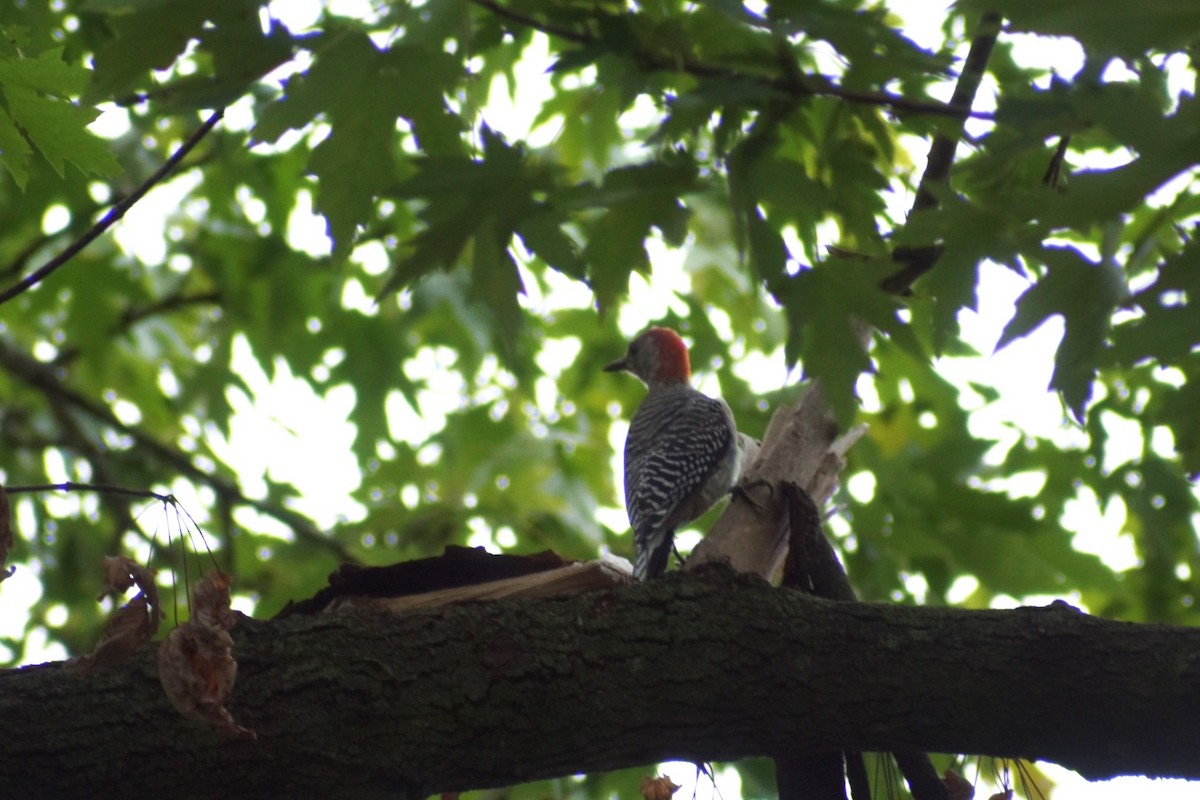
812,86
941,152
100,488
691,667
919,260
115,213
801,446
163,305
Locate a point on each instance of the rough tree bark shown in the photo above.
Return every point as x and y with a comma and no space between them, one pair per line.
698,667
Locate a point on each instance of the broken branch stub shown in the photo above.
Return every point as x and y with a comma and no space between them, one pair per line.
801,445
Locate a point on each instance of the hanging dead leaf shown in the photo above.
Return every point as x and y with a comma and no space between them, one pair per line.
210,602
6,534
958,786
130,626
657,788
127,630
122,573
118,575
195,661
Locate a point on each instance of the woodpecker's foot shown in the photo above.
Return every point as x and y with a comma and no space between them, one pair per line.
742,490
679,560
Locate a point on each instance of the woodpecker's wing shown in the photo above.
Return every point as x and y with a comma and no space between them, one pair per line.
673,449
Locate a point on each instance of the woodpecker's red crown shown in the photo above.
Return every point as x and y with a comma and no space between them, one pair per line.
658,356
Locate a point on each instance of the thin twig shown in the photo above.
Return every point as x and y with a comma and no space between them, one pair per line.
132,315
823,88
919,260
42,377
167,303
945,145
548,28
115,213
1054,168
102,488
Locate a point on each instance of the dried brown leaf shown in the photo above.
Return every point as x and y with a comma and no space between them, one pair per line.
121,573
118,575
659,788
195,661
126,631
210,602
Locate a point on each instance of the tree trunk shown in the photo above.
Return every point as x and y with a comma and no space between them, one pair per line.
696,667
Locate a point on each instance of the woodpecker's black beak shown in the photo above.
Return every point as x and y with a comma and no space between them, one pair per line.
619,365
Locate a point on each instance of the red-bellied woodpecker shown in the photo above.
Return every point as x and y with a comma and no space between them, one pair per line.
681,452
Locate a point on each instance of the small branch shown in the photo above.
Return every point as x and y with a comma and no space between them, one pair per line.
812,565
1054,168
529,22
114,214
941,152
166,304
102,488
919,260
132,315
900,103
801,445
789,86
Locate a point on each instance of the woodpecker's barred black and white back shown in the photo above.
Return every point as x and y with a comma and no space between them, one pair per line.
681,456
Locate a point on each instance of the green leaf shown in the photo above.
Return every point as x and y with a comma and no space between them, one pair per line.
1085,294
542,233
831,309
467,199
14,150
364,90
495,284
635,200
47,73
1179,411
342,61
35,92
241,52
1009,550
151,38
1110,26
59,131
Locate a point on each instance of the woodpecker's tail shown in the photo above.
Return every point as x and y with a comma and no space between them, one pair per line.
653,552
